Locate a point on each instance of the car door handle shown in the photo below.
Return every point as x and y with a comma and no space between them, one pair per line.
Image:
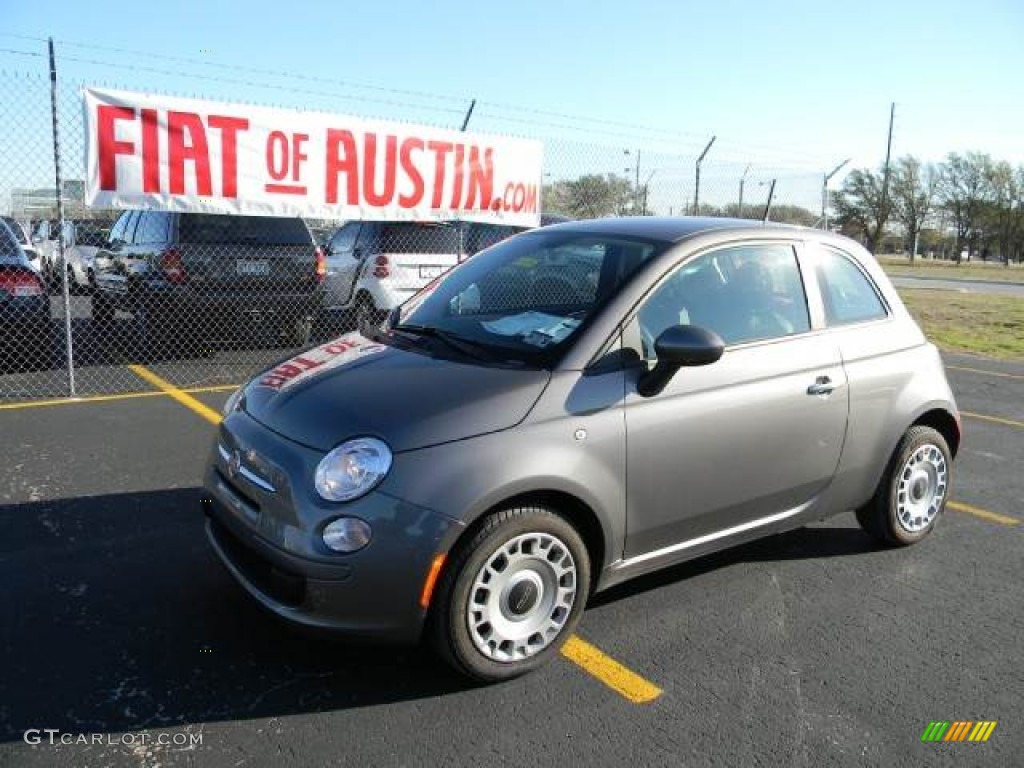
822,386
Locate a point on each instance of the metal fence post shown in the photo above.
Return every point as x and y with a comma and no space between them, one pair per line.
68,344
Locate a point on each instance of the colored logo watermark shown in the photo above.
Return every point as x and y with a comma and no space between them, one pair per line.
959,730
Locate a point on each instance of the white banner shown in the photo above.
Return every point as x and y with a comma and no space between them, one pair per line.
148,151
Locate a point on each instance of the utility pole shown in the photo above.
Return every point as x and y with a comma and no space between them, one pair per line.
824,192
768,205
469,114
883,213
743,178
696,186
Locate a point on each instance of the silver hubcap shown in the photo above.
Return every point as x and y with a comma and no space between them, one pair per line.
921,489
522,597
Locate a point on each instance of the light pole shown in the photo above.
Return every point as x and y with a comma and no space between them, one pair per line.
743,178
647,185
696,186
636,183
824,192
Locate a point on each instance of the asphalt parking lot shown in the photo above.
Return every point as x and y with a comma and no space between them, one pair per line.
812,648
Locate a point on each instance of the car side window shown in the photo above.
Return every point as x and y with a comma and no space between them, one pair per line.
344,240
117,232
742,293
366,241
847,293
152,228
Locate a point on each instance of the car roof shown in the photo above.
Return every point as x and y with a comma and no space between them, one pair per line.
670,229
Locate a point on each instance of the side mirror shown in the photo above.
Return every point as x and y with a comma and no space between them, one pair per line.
676,347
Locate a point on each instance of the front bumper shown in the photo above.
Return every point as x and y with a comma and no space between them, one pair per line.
265,524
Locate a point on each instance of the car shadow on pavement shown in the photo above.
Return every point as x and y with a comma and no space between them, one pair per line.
813,543
118,617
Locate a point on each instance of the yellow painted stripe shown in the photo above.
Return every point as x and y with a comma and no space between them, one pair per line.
609,671
984,514
981,726
177,394
999,374
111,398
988,731
993,419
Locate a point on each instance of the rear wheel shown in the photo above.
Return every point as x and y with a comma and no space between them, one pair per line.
366,312
913,491
511,595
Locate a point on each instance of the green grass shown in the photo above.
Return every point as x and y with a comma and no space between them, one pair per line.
949,270
984,324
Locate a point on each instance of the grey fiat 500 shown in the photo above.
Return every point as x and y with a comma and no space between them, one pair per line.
571,408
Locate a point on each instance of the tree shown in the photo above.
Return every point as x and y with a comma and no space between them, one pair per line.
1001,216
913,194
964,189
860,208
589,197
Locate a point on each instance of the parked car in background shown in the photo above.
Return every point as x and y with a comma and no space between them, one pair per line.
87,237
508,443
31,252
25,328
372,267
190,279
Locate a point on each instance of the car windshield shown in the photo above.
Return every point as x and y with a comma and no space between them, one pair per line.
267,230
527,298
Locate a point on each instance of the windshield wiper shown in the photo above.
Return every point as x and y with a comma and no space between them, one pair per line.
454,341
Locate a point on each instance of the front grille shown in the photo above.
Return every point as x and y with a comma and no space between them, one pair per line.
233,487
277,583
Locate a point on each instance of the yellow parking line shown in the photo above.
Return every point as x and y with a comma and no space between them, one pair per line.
111,398
984,514
609,671
177,394
993,419
984,372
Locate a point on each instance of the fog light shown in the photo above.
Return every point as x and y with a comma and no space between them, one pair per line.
347,534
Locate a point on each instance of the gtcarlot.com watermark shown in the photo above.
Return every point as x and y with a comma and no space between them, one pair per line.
54,736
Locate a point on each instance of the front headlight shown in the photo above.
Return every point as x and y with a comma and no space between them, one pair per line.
352,469
233,400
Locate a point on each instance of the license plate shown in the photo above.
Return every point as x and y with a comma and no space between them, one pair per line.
429,273
26,290
252,268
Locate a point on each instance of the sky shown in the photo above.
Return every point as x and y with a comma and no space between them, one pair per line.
782,84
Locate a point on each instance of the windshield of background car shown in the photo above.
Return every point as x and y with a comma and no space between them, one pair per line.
528,297
266,230
418,238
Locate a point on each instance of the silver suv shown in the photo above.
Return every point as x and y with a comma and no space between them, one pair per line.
574,407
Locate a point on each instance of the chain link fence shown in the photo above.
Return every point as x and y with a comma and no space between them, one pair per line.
205,301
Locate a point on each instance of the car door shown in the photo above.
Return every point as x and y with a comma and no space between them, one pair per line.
112,275
745,441
342,266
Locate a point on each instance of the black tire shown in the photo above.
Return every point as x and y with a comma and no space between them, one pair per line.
888,517
450,618
366,313
298,331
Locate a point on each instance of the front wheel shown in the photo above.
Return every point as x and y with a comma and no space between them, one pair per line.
511,595
913,491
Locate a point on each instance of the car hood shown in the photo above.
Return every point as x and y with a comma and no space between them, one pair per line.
352,386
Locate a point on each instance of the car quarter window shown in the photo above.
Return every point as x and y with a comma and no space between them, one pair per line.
742,293
344,239
847,293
